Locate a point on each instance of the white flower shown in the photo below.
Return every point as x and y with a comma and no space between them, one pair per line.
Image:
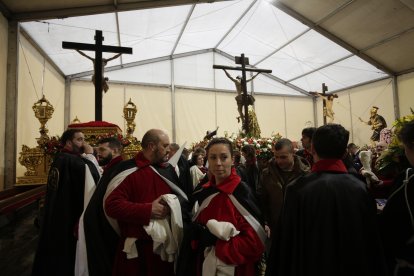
258,146
245,143
264,149
269,146
269,141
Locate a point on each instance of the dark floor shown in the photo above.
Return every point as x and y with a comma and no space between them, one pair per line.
18,242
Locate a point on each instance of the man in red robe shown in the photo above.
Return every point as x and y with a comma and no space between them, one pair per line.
137,200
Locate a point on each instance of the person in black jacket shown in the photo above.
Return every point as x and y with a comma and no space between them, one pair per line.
65,201
396,220
328,224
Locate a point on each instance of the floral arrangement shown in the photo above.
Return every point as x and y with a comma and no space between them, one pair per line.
263,146
393,159
52,145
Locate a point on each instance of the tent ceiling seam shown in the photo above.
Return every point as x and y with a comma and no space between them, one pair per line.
320,68
183,28
41,51
333,37
99,9
235,23
340,8
118,33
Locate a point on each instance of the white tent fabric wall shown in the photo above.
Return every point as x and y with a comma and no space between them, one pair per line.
196,71
268,36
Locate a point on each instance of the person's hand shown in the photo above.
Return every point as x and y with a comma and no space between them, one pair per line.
88,149
267,230
159,209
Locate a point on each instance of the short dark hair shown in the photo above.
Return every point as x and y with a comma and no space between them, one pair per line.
221,140
284,142
308,132
330,141
113,143
249,151
195,156
199,150
151,136
68,135
237,156
351,145
406,135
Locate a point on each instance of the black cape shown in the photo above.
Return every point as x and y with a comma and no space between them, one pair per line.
327,227
185,182
56,250
101,239
396,227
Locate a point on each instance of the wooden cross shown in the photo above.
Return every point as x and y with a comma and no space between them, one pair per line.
98,48
243,61
324,90
327,103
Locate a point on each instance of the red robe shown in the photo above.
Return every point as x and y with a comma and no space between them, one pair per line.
243,250
130,204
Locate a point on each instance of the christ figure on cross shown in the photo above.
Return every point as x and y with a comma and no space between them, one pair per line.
328,105
239,97
105,61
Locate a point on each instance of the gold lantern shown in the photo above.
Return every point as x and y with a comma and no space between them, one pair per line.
130,110
43,111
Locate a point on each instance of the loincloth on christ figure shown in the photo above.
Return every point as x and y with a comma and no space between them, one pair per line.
250,99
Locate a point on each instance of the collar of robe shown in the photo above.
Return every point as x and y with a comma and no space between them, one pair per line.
141,161
113,162
65,150
228,185
329,165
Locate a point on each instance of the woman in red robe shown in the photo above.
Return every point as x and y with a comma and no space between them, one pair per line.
226,202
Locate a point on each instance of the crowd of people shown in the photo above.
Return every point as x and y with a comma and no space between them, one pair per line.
308,212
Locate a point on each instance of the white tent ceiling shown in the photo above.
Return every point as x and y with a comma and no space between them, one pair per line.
340,42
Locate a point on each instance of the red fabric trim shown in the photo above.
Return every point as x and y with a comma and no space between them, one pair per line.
141,161
329,165
229,184
17,205
65,150
114,161
93,124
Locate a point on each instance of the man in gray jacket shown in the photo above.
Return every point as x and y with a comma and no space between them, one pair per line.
282,169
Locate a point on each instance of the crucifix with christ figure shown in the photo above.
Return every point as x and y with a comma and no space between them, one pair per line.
99,64
327,103
242,98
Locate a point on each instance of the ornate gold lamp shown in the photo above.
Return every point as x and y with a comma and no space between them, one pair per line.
130,110
34,159
43,111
